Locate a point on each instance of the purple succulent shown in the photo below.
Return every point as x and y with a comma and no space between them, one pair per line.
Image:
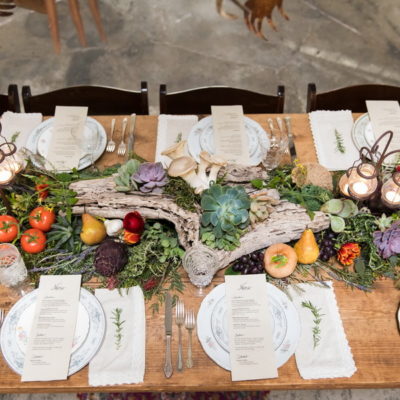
388,242
151,177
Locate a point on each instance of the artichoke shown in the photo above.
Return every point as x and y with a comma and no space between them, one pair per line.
151,176
225,209
110,258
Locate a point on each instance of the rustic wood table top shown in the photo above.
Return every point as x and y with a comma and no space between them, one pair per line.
369,320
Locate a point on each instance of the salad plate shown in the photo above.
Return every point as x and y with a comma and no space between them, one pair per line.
201,138
362,133
212,325
93,143
88,337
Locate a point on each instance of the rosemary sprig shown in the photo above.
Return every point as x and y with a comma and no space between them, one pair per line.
339,142
316,312
116,317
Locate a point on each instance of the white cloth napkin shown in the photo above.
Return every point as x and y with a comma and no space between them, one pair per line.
123,364
19,125
332,357
323,126
170,127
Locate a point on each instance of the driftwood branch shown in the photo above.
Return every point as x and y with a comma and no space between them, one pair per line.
286,222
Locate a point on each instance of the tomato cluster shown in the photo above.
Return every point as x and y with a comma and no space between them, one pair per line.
33,240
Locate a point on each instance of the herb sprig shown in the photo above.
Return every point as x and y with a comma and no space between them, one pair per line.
339,142
116,317
316,312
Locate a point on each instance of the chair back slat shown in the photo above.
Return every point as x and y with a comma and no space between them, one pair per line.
200,100
352,97
10,101
100,100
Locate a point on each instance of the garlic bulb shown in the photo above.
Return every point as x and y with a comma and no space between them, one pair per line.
113,226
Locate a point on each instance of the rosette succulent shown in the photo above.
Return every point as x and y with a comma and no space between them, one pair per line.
151,177
388,242
225,215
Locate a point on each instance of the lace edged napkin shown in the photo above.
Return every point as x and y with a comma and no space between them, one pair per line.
170,129
121,358
17,126
331,132
332,356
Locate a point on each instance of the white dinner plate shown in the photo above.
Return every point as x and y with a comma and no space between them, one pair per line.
89,331
201,138
362,133
93,144
212,325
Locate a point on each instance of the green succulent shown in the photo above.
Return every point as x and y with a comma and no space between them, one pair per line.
65,232
123,181
225,212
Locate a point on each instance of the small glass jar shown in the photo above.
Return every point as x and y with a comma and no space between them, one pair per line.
363,182
12,267
390,191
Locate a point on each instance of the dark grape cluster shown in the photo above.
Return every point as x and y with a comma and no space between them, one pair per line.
326,243
250,264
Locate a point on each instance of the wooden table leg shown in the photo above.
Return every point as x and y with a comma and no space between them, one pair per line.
53,24
76,17
94,8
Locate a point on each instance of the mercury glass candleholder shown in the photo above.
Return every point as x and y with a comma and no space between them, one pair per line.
344,181
390,192
12,267
363,182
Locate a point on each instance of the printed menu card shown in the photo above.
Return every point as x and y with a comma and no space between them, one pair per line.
249,324
64,151
385,116
230,136
50,340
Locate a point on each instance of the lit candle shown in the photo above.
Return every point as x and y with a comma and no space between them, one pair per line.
359,188
5,176
393,196
14,165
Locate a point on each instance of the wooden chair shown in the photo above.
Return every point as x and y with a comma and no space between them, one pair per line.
100,100
199,101
351,97
10,101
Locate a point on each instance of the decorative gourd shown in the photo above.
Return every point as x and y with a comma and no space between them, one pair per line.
280,260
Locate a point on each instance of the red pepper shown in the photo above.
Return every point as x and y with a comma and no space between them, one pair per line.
131,238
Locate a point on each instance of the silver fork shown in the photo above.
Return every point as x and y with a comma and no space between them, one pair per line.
2,316
122,146
190,324
180,319
111,144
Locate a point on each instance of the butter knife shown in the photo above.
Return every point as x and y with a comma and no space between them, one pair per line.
131,138
168,336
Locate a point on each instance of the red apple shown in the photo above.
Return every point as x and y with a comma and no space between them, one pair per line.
134,223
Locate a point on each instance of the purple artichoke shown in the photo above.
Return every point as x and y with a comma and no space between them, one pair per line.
388,242
151,177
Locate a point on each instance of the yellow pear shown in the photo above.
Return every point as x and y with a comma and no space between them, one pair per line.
306,248
93,230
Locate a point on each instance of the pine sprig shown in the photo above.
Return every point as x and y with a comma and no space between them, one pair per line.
339,142
316,312
116,317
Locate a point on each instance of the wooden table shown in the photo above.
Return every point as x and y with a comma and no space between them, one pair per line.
369,321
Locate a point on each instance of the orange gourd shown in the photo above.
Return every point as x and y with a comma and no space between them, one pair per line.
280,260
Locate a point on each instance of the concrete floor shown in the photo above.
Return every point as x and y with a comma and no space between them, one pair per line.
185,43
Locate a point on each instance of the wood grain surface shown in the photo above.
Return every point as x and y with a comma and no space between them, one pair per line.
369,321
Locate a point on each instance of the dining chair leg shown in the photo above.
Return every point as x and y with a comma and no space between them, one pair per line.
76,17
53,24
94,8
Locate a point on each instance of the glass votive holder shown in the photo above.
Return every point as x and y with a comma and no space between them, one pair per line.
12,267
278,144
390,192
363,182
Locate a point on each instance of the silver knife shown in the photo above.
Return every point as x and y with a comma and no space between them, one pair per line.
288,123
131,138
168,336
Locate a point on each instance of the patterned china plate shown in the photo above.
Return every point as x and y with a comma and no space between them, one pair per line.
362,133
212,325
201,138
89,332
94,140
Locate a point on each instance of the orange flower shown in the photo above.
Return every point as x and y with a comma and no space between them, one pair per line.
348,253
131,238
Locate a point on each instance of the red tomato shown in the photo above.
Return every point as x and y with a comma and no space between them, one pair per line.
8,228
42,218
33,241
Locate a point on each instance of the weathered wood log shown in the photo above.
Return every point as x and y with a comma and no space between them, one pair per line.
286,222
